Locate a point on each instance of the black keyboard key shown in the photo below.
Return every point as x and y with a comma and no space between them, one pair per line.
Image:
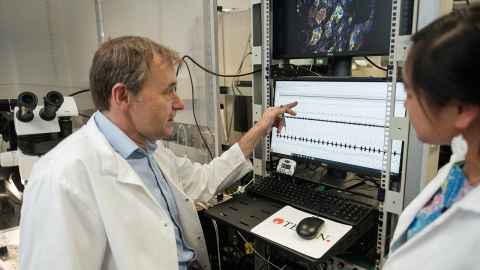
305,197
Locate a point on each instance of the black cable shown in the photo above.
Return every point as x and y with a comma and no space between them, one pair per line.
375,65
214,73
79,92
165,198
193,110
84,115
304,68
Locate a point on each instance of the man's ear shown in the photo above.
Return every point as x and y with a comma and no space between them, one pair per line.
466,115
120,98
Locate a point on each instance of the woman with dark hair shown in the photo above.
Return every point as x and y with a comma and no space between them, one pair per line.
440,229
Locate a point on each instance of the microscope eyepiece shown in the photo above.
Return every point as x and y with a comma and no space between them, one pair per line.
26,102
52,102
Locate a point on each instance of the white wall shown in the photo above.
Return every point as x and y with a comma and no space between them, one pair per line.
233,31
235,4
180,25
233,35
49,44
8,70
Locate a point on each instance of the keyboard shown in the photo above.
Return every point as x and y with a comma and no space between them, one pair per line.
304,196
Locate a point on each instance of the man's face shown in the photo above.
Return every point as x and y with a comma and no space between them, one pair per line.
154,107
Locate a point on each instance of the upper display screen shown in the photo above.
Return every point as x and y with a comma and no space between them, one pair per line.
315,28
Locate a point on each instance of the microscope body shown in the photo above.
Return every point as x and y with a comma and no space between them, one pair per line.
37,129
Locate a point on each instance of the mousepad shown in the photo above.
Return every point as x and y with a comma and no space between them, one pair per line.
281,229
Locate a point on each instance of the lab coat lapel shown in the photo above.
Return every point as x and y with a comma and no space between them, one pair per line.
126,175
459,148
179,195
411,211
183,202
116,166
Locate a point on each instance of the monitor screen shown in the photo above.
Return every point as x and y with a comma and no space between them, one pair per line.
340,123
316,28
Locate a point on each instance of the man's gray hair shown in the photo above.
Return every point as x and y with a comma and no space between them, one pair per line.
125,60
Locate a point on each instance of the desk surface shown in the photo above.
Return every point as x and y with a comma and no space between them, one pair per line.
246,211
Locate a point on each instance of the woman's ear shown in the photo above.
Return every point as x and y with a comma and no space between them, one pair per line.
120,98
466,115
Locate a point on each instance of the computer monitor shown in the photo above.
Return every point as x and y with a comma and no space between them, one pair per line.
318,28
339,123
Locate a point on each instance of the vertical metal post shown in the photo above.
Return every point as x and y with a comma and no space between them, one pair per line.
258,33
266,62
99,19
382,237
417,157
212,82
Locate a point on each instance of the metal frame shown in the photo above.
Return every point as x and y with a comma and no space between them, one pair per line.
266,61
99,22
212,81
416,155
420,160
395,128
261,86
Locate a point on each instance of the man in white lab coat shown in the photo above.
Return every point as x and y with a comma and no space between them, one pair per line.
110,196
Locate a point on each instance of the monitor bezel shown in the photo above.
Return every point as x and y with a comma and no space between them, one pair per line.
331,163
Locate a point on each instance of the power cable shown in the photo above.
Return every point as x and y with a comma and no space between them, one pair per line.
193,91
306,69
217,74
217,237
375,65
260,255
193,109
79,92
234,87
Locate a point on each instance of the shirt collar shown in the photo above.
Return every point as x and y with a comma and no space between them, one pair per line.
120,141
459,148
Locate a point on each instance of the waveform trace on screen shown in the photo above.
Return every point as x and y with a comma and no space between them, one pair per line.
342,122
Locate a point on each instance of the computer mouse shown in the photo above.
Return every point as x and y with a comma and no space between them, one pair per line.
309,227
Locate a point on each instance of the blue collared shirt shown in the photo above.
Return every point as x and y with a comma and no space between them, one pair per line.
144,164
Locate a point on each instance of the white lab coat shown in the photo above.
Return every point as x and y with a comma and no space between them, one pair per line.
85,208
452,241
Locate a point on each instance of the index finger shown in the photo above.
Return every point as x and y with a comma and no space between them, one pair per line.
291,105
288,108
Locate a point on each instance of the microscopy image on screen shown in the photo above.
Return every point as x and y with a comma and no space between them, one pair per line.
307,28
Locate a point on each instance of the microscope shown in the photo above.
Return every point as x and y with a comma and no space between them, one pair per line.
32,130
29,130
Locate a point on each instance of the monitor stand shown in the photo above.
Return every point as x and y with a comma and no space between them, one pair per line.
334,178
338,183
340,66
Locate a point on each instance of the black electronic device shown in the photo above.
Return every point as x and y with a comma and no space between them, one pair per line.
340,122
286,166
242,106
305,196
318,28
308,228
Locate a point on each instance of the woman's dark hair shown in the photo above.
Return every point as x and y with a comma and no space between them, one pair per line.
444,56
